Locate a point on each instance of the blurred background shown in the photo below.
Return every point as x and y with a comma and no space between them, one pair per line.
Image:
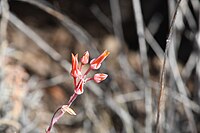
37,38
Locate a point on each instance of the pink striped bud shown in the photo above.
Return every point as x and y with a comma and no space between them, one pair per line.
100,77
85,58
75,72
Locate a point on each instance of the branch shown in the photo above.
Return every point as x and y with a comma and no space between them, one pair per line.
161,100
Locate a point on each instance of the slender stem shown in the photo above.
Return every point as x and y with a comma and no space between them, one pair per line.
88,79
75,81
55,118
71,100
52,121
160,110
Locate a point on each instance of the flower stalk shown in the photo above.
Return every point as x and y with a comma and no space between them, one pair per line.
79,82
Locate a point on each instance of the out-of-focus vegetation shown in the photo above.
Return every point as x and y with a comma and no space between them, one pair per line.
37,38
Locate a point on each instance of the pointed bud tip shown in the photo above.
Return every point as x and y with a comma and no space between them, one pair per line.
85,58
106,52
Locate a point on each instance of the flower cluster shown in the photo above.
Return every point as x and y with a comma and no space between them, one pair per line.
79,80
94,64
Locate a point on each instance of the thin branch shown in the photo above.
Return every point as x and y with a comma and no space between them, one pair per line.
4,10
103,19
144,62
181,86
186,11
154,44
161,99
198,60
189,66
4,20
116,19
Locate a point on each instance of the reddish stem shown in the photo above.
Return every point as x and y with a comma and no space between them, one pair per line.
55,118
75,81
52,121
71,100
88,79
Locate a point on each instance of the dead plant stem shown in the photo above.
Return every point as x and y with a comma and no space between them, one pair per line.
161,100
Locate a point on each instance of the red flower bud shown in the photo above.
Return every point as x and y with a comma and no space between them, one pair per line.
100,77
85,58
75,72
96,63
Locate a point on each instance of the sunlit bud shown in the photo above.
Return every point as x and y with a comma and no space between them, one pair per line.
75,72
96,63
100,77
85,58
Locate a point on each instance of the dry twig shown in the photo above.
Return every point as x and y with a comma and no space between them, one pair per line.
144,63
161,100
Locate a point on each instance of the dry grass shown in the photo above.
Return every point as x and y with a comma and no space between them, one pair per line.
35,65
